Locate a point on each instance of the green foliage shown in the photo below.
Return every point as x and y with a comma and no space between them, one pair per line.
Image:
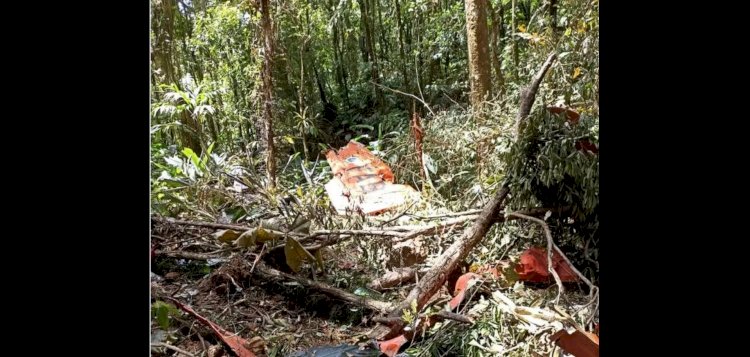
206,85
162,312
545,168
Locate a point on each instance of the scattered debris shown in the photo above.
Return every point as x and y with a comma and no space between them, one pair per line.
393,278
407,254
239,345
532,266
463,283
363,183
336,351
390,347
571,114
577,343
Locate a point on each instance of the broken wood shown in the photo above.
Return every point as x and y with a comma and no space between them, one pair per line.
431,282
237,344
219,225
393,278
579,344
272,274
528,94
459,250
185,255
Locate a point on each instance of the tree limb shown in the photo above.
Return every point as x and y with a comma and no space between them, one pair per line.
173,348
219,226
528,94
406,94
431,282
269,273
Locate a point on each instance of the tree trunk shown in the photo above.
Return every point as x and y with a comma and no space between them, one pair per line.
553,17
266,128
371,53
401,52
497,47
479,59
513,41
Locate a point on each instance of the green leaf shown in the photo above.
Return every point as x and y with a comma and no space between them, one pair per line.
206,155
161,310
188,152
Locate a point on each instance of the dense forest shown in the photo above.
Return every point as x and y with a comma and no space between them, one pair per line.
461,135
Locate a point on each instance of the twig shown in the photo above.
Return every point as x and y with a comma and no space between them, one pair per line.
257,258
453,316
585,280
399,215
371,304
185,255
451,99
406,94
550,244
173,348
233,282
217,225
367,232
437,228
450,214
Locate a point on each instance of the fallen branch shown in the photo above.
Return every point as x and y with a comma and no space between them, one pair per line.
273,274
528,94
431,282
219,225
450,214
393,278
235,342
438,316
185,255
173,348
406,94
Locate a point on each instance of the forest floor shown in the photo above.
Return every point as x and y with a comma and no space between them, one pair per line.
280,317
287,316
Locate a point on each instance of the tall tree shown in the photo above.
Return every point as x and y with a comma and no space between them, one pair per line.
496,47
479,58
267,74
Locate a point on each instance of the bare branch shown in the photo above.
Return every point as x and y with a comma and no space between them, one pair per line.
173,348
406,94
528,94
270,273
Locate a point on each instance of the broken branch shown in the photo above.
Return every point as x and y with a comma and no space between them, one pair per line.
273,274
528,94
185,255
173,348
431,282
